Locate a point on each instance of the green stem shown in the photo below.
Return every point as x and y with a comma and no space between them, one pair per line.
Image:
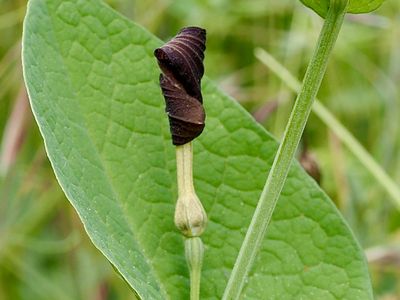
338,128
184,169
194,251
287,149
190,217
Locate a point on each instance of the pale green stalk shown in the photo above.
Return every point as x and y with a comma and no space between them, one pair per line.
287,149
190,217
194,251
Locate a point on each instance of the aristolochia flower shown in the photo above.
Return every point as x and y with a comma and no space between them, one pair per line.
181,61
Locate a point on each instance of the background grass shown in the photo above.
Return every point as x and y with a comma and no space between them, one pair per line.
44,252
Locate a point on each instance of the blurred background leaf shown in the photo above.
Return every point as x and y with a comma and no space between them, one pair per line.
41,237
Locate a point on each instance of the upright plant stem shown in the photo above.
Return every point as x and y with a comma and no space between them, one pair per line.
287,149
337,128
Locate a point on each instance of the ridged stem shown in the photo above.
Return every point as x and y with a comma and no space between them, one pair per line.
194,251
184,170
287,149
190,217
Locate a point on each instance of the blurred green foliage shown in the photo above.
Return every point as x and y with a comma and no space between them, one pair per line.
44,251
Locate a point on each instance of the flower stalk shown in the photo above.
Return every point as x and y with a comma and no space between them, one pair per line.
194,251
190,216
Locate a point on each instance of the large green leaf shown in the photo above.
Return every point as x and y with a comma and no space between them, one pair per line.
355,6
93,86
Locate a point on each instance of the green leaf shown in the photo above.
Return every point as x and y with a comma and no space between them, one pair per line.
355,6
93,85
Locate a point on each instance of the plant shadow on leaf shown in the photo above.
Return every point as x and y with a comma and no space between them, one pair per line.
93,86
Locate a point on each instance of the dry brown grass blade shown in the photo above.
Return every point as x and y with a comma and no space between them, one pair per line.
14,131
